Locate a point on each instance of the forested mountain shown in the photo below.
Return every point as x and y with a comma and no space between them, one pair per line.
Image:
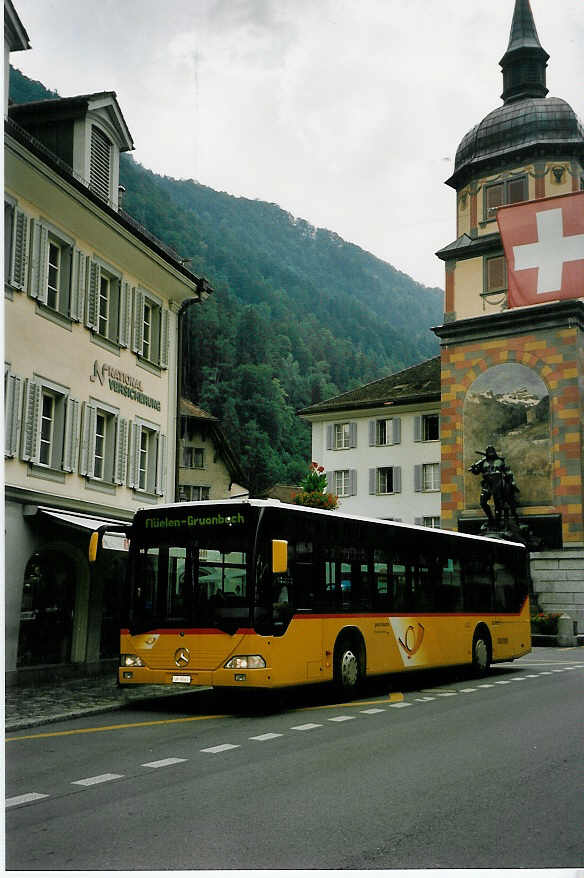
297,314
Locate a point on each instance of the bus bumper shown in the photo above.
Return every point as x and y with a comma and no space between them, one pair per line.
256,678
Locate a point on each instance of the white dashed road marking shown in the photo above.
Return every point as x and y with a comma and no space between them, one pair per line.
269,736
220,748
162,763
27,797
92,781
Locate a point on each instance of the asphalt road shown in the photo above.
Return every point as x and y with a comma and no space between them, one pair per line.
428,770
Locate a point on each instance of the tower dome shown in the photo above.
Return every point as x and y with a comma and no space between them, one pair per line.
529,123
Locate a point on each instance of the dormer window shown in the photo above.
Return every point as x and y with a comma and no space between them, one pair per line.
100,163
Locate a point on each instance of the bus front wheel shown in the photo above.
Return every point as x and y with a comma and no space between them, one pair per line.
347,670
481,651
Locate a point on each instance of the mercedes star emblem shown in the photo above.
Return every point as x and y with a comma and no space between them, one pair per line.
182,657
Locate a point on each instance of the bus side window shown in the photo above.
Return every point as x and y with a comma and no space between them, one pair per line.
449,596
504,588
477,577
401,574
382,582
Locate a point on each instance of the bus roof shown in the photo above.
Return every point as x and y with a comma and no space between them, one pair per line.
310,510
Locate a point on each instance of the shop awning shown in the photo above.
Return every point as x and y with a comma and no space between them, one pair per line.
117,542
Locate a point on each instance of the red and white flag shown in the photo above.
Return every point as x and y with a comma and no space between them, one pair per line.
544,248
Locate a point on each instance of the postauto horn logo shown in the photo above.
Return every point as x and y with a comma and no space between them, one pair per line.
412,639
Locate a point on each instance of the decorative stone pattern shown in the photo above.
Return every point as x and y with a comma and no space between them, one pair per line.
557,356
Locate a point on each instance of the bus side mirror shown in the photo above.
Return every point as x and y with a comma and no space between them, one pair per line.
279,556
93,546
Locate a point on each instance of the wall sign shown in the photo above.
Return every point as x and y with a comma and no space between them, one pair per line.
123,383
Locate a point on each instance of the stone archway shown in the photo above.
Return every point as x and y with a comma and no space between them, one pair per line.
53,618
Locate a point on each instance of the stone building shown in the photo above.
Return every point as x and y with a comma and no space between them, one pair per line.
514,377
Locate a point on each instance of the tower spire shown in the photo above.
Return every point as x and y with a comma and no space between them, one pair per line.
525,61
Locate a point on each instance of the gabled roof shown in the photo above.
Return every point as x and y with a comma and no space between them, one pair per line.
420,383
188,409
14,31
76,107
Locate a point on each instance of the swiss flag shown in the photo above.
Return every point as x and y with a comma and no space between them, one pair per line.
544,248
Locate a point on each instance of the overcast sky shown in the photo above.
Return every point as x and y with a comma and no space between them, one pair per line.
346,113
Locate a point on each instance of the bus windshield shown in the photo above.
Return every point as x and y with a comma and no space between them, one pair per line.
180,583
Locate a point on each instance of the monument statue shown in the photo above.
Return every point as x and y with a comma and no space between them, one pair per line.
498,483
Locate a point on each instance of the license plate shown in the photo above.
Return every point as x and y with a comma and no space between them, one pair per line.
181,678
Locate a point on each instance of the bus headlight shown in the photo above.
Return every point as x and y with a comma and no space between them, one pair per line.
131,661
245,661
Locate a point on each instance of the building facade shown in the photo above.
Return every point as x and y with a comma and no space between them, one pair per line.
380,446
513,377
91,323
207,466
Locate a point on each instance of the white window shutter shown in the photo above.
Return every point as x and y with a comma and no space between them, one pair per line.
418,428
373,481
372,432
331,482
161,464
87,457
125,313
121,461
353,435
39,274
329,437
13,414
397,479
91,311
396,428
164,338
418,477
71,443
19,256
32,422
138,325
134,456
439,485
78,285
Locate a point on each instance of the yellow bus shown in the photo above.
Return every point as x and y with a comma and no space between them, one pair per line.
260,594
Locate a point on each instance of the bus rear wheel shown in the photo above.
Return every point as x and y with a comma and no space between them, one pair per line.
481,652
347,671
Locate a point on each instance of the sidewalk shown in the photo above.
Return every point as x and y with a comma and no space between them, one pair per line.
29,706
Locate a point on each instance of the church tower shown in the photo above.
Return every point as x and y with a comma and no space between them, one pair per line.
513,377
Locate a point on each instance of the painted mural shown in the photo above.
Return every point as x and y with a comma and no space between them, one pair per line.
508,407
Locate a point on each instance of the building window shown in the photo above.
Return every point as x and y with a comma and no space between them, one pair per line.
47,437
104,449
495,274
343,482
54,275
150,329
341,436
148,459
193,458
507,192
427,477
108,304
431,521
385,480
386,431
50,426
193,493
427,428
